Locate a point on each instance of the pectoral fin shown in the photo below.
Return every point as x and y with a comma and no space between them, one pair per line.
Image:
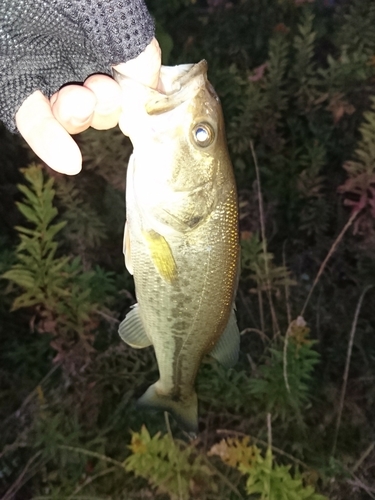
132,331
161,255
126,250
227,348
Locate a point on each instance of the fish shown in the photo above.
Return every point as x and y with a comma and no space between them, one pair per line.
181,240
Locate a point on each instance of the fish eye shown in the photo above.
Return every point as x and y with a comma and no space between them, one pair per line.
203,134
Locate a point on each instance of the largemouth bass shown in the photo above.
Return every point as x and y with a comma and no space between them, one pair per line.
181,238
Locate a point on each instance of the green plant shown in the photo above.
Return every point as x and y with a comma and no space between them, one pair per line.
265,479
359,188
38,272
61,294
283,381
170,466
303,70
259,268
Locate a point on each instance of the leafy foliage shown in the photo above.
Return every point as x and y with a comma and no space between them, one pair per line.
359,188
61,294
261,268
37,271
266,480
283,382
172,467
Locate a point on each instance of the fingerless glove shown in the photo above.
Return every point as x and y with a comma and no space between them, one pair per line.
45,44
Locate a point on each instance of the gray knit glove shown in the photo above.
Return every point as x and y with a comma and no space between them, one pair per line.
47,43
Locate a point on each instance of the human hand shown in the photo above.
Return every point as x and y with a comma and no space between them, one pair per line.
46,124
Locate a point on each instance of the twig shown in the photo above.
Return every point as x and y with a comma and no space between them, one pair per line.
222,477
360,484
168,425
269,430
331,251
255,330
285,358
90,479
287,296
318,334
109,318
30,396
275,325
363,457
251,362
261,313
20,481
94,454
347,365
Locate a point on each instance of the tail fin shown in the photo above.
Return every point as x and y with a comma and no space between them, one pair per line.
184,412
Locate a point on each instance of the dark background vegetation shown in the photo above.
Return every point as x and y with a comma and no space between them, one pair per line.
296,79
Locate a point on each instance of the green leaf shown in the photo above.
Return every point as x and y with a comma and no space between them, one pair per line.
21,277
28,212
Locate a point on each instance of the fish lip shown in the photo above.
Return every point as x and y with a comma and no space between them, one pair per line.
195,70
177,89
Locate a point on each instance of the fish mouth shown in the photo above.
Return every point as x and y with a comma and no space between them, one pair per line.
178,84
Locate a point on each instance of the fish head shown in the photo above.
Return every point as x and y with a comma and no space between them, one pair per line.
181,158
188,122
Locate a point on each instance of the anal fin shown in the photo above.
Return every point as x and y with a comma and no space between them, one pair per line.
227,348
126,249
